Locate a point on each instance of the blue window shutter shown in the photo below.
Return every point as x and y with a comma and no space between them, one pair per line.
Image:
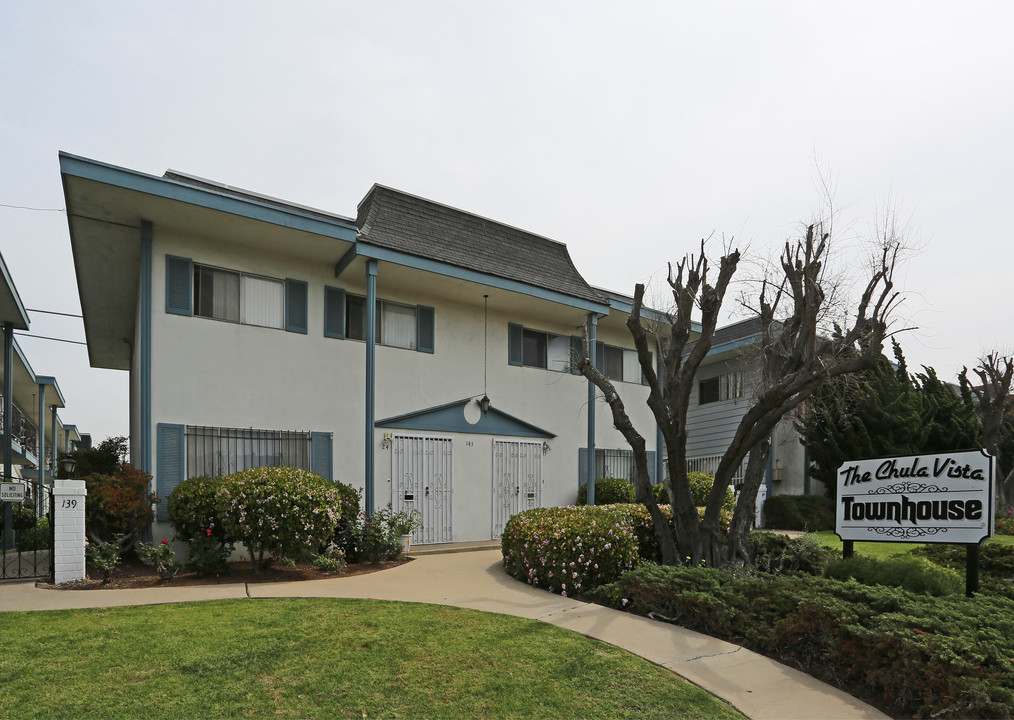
179,288
295,306
334,312
515,344
582,467
651,466
424,326
171,464
576,352
321,458
600,357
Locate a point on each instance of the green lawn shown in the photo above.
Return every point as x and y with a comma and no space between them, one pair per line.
887,549
323,658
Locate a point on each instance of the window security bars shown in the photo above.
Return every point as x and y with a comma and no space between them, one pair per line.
24,433
222,451
614,464
709,464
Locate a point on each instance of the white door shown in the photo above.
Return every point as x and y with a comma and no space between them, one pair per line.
517,480
421,480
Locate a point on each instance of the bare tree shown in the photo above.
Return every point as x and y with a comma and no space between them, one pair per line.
795,359
995,374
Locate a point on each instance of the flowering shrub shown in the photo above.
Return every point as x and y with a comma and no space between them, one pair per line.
119,507
280,511
103,557
161,557
208,555
193,508
569,549
1005,523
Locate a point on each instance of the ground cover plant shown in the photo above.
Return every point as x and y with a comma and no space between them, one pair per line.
314,658
910,655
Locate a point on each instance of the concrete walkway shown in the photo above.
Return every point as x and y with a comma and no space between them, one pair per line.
760,688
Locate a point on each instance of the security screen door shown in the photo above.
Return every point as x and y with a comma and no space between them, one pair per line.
517,479
421,480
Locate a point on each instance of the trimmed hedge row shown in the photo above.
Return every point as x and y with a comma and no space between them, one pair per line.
799,512
911,655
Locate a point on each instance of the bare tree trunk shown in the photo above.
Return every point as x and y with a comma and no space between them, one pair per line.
746,505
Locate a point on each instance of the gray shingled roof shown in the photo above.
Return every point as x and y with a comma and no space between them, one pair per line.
737,331
398,221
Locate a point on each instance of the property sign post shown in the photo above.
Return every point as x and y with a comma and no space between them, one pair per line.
940,498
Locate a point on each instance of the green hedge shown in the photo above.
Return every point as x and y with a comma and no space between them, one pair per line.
914,574
910,655
608,491
799,512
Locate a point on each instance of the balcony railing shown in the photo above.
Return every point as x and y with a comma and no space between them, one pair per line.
25,434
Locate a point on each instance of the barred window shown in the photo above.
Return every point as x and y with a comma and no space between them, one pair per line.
223,451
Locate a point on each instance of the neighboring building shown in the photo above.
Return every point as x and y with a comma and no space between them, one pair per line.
33,435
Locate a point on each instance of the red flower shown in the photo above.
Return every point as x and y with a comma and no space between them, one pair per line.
164,541
209,532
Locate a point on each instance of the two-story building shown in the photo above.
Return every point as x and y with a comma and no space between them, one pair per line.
419,352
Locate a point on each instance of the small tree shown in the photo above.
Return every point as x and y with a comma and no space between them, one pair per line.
120,506
995,374
796,359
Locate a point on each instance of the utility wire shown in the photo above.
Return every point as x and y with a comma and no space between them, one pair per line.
43,337
23,207
53,312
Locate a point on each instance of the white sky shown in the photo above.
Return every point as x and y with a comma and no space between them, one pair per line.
627,130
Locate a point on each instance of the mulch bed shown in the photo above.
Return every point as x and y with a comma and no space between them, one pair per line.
131,575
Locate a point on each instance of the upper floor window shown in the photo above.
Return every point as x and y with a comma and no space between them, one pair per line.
619,364
396,325
238,297
220,294
535,348
727,386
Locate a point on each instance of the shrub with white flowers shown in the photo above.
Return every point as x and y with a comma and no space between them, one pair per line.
569,549
279,512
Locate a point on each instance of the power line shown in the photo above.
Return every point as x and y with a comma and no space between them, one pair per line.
23,207
54,312
43,337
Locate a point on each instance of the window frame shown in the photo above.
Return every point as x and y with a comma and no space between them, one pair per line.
720,388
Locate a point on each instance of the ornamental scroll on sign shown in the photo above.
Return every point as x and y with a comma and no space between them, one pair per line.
942,498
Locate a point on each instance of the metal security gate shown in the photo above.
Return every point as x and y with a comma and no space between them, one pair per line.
517,480
27,541
421,480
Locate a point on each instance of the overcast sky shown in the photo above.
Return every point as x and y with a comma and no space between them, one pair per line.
627,130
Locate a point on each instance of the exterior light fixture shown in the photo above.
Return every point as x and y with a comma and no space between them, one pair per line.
484,404
68,464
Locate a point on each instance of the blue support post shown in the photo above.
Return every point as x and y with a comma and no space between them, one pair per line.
41,435
8,542
593,320
144,457
371,379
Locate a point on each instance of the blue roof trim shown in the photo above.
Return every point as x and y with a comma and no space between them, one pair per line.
14,296
351,254
440,268
87,169
451,418
49,380
735,344
625,304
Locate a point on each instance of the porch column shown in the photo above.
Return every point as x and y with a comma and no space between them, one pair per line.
54,448
8,410
593,320
40,451
145,456
371,378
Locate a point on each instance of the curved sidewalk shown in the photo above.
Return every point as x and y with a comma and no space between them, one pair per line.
760,688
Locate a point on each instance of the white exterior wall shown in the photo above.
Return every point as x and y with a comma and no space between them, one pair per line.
215,373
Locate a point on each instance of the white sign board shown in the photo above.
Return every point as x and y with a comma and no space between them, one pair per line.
945,498
12,492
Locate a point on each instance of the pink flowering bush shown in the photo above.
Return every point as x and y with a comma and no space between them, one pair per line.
569,549
278,512
1005,523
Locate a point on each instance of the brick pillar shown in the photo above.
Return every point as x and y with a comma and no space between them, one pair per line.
69,530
